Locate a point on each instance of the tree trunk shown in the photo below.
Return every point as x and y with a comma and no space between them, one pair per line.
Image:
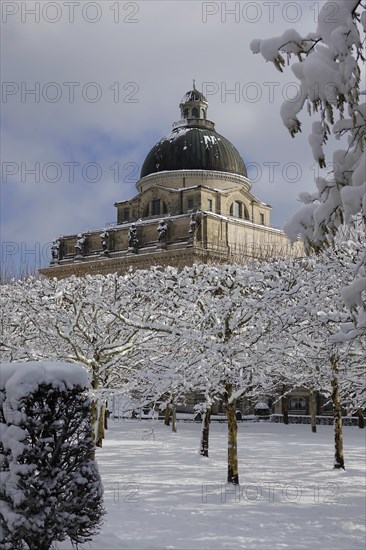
94,406
174,418
167,415
284,403
361,419
205,432
312,407
106,417
101,422
338,436
232,430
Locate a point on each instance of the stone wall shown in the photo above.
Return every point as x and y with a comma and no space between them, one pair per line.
216,238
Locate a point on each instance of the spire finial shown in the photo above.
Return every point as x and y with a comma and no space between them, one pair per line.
194,84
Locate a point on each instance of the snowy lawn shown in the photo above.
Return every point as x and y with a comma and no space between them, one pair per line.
160,494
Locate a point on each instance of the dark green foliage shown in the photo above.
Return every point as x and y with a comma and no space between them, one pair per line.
57,493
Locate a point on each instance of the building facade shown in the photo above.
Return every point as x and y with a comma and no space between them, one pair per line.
194,203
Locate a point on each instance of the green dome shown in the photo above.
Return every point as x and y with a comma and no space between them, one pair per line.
194,148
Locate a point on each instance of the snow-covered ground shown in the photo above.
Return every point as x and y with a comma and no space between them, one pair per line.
160,494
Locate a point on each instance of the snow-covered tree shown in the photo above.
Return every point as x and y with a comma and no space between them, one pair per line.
211,310
19,339
220,331
330,69
69,320
307,351
50,486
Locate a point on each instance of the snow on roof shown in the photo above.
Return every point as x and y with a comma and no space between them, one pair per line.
261,406
210,140
175,134
245,222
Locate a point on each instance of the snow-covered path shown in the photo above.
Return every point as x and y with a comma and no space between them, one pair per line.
160,494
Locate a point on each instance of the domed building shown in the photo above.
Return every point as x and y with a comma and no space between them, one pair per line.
194,203
194,144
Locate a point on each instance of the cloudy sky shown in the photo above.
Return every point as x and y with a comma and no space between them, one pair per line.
107,78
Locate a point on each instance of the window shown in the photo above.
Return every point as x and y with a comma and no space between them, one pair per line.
328,407
156,207
236,209
155,211
209,205
195,112
126,214
239,210
190,204
261,219
297,404
185,113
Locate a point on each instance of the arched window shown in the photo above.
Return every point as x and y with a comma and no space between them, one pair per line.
239,210
185,113
195,113
236,209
